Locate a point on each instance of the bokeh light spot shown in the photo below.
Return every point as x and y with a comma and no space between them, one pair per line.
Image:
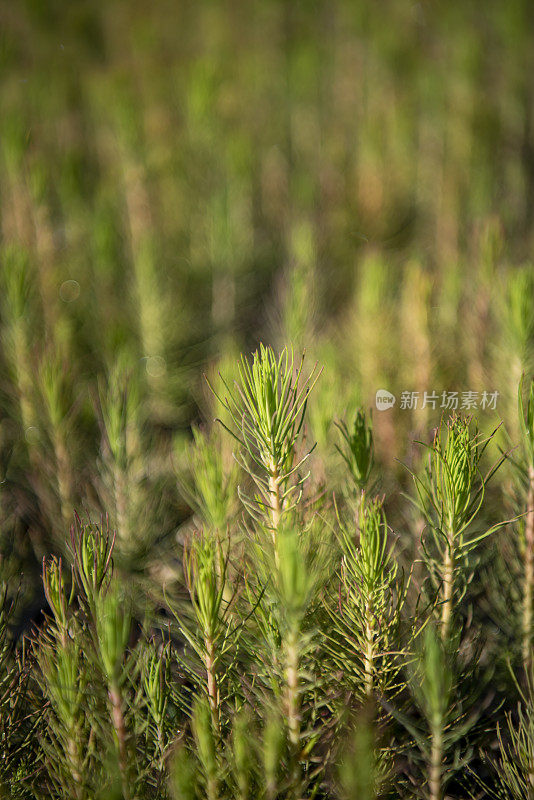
31,434
69,291
156,366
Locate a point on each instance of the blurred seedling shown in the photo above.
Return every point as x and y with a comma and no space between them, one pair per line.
357,449
211,484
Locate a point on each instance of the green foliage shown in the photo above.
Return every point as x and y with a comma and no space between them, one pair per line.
55,592
113,624
366,618
432,681
358,448
519,314
179,183
516,765
16,729
267,407
363,772
210,488
450,495
92,547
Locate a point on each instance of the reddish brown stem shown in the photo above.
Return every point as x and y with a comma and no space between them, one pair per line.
213,689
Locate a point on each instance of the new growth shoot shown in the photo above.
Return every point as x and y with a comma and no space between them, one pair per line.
266,406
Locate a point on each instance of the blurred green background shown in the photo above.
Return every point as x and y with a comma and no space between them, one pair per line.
180,181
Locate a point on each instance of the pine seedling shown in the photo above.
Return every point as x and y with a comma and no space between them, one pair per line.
16,303
431,683
320,415
267,407
151,301
273,746
363,768
55,394
155,672
133,469
122,470
450,714
526,469
182,774
451,494
63,679
209,631
112,625
228,235
367,612
294,584
241,757
206,746
210,489
57,596
18,309
92,547
357,448
444,722
211,486
290,578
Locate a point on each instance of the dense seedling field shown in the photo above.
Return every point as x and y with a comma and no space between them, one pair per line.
266,400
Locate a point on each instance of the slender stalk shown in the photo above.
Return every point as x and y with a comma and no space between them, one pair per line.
276,505
161,753
293,706
436,764
369,654
529,573
369,624
447,588
119,726
121,503
213,689
276,500
212,787
73,752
